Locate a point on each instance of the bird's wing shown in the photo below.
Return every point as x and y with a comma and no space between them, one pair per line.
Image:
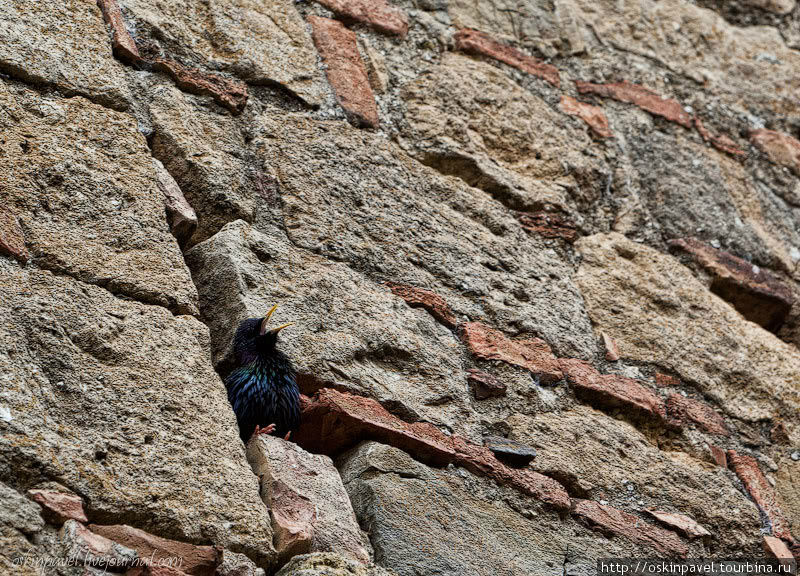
245,393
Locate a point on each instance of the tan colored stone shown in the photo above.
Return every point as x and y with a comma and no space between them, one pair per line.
681,523
12,238
610,345
660,314
64,45
259,42
780,148
777,548
781,7
594,116
82,184
119,401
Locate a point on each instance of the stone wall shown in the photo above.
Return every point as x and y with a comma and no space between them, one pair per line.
542,257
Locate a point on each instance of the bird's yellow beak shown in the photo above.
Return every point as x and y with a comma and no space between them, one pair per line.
281,327
265,321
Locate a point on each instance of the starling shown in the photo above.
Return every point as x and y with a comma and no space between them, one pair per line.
262,388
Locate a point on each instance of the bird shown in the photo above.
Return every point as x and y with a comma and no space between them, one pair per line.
262,388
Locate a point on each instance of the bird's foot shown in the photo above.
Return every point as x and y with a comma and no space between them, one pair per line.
265,430
289,433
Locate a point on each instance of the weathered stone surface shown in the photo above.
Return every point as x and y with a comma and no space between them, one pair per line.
255,41
122,43
20,522
680,522
65,46
613,521
610,345
719,141
378,14
477,42
749,473
101,392
667,32
780,148
345,69
18,512
82,546
328,564
640,96
324,298
351,196
776,6
206,154
12,238
757,294
602,458
430,301
686,410
514,453
484,385
83,187
666,381
194,560
594,116
181,216
613,390
335,421
486,343
58,506
659,313
287,471
234,564
230,93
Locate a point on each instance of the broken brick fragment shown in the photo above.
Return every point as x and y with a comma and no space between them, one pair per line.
548,225
377,14
719,456
776,548
59,506
592,115
683,410
615,522
612,390
780,148
640,96
476,42
430,301
485,385
533,354
334,421
681,523
346,71
122,44
12,239
757,294
749,473
229,92
612,351
195,560
666,381
719,141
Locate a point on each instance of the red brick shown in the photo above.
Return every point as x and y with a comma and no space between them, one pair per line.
719,141
612,390
377,14
484,385
58,507
12,239
719,456
614,522
228,92
334,421
195,560
680,523
346,71
757,294
749,473
666,381
548,224
780,148
430,301
533,354
776,548
612,351
594,116
640,96
684,410
476,42
122,44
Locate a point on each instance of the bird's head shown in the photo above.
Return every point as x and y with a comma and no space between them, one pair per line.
255,338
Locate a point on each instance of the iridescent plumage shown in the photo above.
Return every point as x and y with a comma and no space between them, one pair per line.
262,388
